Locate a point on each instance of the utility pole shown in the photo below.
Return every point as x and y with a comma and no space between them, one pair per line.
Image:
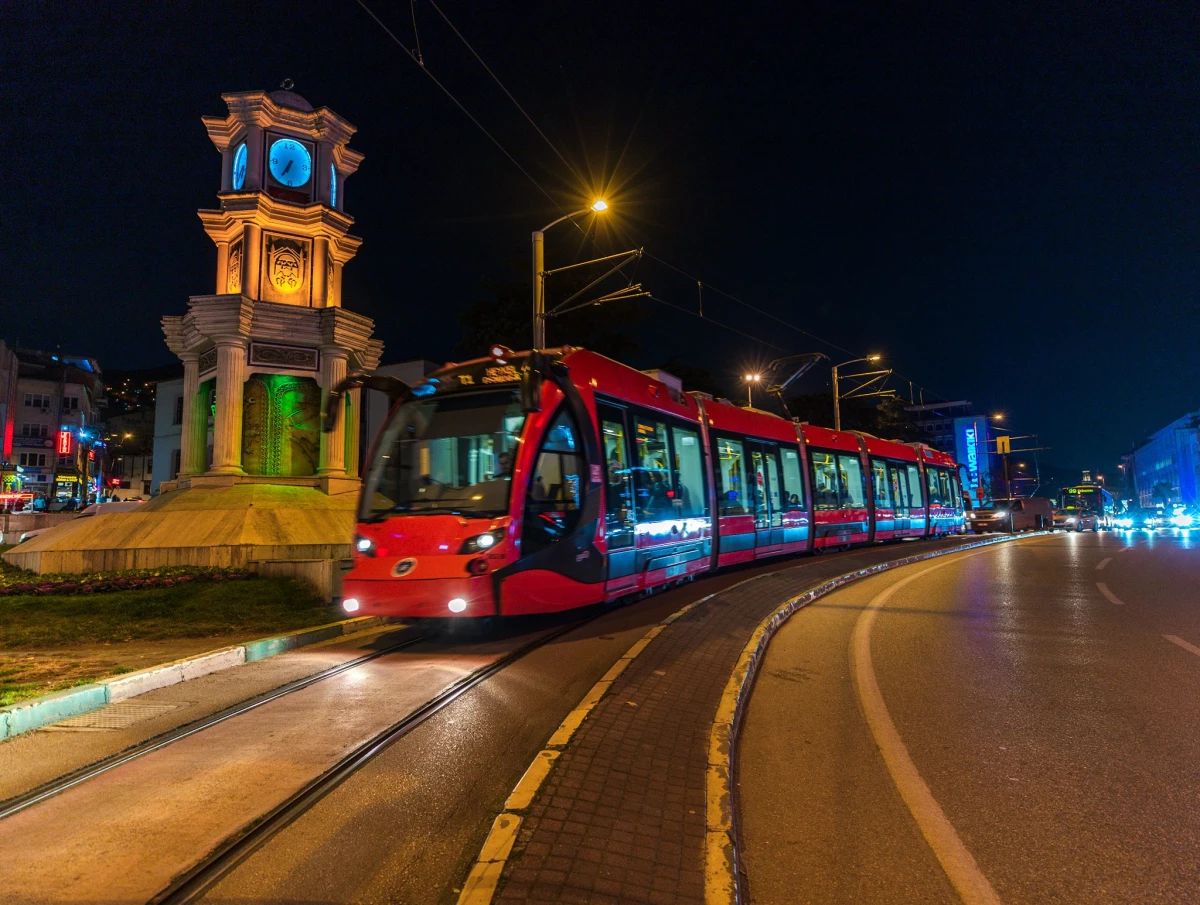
539,289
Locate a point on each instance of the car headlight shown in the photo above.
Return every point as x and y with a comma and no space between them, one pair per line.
1183,521
481,542
364,545
1070,519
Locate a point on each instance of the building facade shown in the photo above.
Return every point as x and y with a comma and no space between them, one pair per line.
53,419
1166,468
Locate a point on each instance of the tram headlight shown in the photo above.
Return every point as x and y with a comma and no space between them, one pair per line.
351,605
481,542
364,545
457,605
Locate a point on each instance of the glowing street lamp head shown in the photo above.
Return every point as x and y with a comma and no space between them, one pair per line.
599,205
753,378
874,357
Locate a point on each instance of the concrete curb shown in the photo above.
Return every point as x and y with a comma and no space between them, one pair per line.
721,867
52,708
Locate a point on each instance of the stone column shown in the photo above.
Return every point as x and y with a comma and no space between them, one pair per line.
353,429
222,268
333,443
320,279
193,439
251,261
227,429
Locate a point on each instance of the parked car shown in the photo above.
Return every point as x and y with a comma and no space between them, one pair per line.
1071,519
92,510
1012,515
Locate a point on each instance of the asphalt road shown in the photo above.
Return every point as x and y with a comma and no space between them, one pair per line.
1019,724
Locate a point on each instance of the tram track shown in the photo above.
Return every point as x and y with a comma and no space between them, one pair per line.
194,883
77,777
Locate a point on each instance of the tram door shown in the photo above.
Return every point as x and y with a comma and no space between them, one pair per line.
620,518
898,478
768,494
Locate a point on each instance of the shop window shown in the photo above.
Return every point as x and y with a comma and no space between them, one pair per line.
554,495
732,494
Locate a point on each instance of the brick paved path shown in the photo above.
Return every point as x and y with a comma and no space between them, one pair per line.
622,816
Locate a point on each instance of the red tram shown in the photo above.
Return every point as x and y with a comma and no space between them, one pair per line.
537,482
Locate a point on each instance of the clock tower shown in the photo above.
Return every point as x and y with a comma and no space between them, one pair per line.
262,352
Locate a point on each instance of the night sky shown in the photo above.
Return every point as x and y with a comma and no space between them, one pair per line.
1000,199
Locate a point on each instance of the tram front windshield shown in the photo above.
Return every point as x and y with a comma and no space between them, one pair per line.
447,454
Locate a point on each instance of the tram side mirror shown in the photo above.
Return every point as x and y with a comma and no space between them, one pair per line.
394,388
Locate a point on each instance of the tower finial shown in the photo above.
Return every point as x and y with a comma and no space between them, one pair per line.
287,84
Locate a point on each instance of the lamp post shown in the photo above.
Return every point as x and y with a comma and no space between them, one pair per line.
837,405
539,271
751,380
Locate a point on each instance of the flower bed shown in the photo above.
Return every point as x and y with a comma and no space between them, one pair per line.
15,581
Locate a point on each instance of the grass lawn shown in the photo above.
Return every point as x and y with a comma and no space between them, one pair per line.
37,633
4,547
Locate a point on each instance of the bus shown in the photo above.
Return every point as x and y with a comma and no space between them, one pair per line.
1090,499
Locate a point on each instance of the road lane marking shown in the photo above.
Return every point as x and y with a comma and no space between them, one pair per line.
1109,595
956,860
1104,562
1175,639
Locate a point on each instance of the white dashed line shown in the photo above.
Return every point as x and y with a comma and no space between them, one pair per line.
1104,562
1109,595
1175,639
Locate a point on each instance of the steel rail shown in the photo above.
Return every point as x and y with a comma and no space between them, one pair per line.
194,883
61,784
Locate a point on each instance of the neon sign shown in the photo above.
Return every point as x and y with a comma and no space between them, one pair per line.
972,439
66,443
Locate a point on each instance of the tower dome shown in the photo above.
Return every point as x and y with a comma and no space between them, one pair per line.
285,98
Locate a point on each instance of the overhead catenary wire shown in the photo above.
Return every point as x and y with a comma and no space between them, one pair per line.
418,58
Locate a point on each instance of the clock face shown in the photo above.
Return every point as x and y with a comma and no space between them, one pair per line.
239,167
332,186
291,164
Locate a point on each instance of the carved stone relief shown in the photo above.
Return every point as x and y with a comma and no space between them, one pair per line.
285,269
207,362
294,358
234,283
281,425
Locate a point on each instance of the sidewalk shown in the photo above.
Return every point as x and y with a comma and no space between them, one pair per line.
622,815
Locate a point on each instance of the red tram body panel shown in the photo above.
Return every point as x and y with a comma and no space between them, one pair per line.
555,480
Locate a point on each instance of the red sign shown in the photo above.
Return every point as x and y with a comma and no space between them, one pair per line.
91,455
66,443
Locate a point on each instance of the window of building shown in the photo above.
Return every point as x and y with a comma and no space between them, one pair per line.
175,464
71,403
690,499
37,400
35,430
555,491
178,417
793,485
33,460
732,494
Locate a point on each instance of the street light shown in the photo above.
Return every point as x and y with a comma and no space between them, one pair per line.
751,380
837,403
598,206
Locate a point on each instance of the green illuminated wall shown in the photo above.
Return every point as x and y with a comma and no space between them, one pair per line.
281,425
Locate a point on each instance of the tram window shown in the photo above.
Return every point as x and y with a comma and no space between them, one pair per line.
956,491
914,486
652,477
881,486
761,483
618,489
689,473
947,492
793,486
732,493
852,482
931,480
899,484
554,496
826,494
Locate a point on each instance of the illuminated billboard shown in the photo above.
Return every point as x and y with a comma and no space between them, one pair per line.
971,450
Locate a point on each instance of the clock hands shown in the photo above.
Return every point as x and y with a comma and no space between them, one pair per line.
288,167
